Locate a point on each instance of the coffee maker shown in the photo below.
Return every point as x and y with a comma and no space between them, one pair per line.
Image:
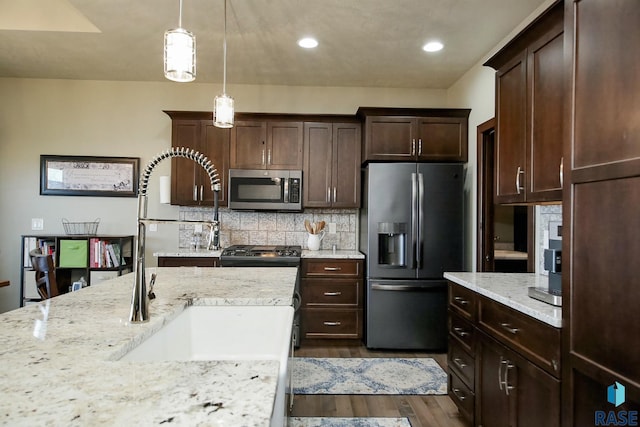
553,264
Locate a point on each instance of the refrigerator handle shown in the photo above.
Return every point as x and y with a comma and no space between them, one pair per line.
420,228
414,217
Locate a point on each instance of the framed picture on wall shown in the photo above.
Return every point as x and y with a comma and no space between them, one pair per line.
89,176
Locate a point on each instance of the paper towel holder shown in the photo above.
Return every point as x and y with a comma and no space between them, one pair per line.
165,189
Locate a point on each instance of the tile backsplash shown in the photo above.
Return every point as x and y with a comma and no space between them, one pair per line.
544,215
273,228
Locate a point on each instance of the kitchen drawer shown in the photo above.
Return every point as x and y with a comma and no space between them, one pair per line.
331,292
463,301
463,331
463,397
536,340
332,267
331,323
462,363
99,276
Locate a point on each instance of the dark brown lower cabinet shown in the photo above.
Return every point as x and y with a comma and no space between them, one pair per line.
512,391
176,261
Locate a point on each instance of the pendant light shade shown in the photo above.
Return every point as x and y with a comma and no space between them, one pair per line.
223,104
223,111
179,53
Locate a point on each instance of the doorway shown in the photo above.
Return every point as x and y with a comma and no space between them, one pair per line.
506,234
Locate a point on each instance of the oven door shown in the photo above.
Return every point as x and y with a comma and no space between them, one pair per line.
264,190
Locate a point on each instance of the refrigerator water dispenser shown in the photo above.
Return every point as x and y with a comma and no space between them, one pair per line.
392,238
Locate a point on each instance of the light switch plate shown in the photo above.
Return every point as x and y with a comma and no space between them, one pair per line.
153,227
37,223
332,228
198,228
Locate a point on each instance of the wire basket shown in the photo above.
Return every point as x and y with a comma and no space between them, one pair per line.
80,228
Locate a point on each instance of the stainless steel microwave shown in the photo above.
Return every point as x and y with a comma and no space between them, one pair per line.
262,189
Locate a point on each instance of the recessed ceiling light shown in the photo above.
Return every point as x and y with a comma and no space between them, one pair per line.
432,47
308,43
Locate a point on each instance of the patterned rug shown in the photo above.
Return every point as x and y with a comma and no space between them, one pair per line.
347,422
368,376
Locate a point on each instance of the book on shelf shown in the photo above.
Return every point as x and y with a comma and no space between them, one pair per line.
104,254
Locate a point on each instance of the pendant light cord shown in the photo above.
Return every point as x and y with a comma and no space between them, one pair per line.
180,16
224,52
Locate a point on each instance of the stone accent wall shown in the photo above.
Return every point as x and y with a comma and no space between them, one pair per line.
274,228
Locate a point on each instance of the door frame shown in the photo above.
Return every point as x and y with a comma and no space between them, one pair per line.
485,164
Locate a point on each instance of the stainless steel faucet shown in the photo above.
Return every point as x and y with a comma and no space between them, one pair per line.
140,299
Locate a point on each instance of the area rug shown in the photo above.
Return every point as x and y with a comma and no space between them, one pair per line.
368,376
347,422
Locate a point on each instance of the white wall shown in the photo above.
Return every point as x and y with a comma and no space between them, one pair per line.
99,118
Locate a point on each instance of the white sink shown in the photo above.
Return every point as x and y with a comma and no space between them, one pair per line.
225,333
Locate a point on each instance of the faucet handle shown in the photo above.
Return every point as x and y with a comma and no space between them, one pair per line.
151,283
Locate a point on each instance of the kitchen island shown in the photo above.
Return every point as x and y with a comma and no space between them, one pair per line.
59,359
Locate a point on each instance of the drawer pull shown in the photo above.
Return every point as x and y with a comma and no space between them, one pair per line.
459,363
332,294
458,393
460,332
331,323
332,269
507,327
461,300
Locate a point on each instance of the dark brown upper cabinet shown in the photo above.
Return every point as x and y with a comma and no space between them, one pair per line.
190,184
407,134
529,112
266,144
331,164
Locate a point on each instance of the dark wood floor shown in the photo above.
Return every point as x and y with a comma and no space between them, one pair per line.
422,411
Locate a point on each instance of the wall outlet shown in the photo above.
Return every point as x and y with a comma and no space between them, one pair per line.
198,228
153,227
332,228
37,224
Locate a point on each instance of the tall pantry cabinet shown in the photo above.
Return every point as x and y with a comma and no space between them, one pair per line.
601,208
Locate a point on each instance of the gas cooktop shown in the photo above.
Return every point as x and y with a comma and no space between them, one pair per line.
256,255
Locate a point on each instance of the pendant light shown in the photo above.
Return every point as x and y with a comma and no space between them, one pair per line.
179,53
223,104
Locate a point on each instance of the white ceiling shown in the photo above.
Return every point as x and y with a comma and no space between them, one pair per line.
366,43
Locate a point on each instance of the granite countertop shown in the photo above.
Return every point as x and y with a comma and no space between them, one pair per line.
186,252
326,253
511,289
59,358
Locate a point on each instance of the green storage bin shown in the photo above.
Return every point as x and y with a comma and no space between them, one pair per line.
73,254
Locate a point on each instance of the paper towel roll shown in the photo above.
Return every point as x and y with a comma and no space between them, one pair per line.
165,189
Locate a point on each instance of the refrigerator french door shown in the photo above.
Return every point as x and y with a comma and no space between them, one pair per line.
412,232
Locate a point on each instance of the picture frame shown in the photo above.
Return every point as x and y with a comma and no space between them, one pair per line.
89,176
76,286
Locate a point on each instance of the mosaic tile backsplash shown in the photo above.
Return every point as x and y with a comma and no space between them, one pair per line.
545,214
273,228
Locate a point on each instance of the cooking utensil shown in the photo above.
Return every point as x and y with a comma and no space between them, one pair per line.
307,226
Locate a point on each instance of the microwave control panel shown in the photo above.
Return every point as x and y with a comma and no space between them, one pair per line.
294,190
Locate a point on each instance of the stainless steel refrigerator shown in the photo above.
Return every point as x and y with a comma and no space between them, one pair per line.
412,231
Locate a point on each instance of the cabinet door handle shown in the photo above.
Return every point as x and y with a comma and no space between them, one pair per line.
561,172
263,157
195,193
460,332
420,147
500,365
507,327
201,192
269,156
507,387
519,172
332,268
413,147
458,393
328,194
326,323
332,294
459,363
334,195
461,300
